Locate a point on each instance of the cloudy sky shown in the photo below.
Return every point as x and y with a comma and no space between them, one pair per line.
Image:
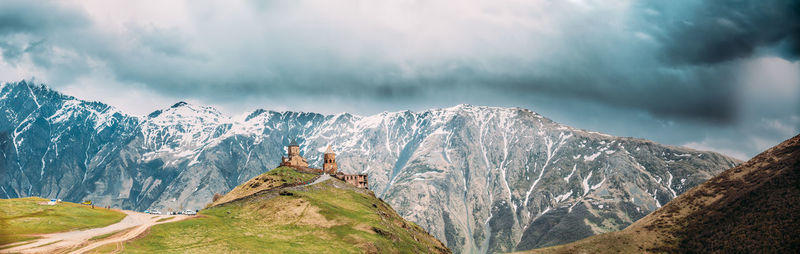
713,75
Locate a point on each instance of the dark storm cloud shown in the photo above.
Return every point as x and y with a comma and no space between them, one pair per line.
670,60
36,17
720,31
698,93
667,58
687,72
35,29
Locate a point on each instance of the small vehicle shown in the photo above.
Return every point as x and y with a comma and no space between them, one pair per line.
189,212
146,211
155,212
86,202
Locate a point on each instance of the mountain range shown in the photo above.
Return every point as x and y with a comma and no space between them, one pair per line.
751,208
480,179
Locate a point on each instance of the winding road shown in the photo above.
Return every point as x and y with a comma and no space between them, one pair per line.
131,226
320,179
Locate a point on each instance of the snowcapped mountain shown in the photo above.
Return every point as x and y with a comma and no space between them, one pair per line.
481,179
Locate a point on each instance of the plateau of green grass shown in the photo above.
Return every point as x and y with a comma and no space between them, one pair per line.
289,175
22,217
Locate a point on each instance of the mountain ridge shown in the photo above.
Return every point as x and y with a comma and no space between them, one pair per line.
752,207
482,179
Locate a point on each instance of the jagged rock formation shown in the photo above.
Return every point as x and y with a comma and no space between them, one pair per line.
481,179
746,209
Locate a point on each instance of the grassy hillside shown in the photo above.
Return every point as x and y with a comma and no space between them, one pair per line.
329,217
22,217
276,178
753,207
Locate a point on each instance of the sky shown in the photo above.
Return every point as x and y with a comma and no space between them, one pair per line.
711,75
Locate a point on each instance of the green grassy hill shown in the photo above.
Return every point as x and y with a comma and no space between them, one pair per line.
751,208
276,178
22,217
264,216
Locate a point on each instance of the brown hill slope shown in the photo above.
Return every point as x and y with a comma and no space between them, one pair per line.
754,207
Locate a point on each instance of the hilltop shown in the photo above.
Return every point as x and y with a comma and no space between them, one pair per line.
271,213
273,179
753,207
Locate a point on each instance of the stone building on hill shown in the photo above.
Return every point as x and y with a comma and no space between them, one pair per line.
329,162
293,159
329,166
359,181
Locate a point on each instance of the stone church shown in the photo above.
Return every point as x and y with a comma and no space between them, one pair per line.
329,166
293,159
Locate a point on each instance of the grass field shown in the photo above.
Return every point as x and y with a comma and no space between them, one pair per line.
22,217
330,217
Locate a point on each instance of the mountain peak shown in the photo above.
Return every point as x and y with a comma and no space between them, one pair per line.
469,107
179,104
254,114
185,114
187,109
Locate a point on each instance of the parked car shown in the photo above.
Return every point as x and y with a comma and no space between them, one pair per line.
146,211
155,212
189,212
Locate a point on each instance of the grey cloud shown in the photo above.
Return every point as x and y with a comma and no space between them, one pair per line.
670,60
719,31
37,17
290,50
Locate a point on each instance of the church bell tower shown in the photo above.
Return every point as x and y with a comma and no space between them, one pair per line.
329,162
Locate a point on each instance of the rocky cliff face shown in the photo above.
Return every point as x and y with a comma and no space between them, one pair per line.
481,179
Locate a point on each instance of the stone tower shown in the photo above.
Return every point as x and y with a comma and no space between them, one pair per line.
294,149
329,161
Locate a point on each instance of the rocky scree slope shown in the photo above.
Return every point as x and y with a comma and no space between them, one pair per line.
481,179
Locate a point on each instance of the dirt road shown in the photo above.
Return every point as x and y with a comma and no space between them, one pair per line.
320,179
76,241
